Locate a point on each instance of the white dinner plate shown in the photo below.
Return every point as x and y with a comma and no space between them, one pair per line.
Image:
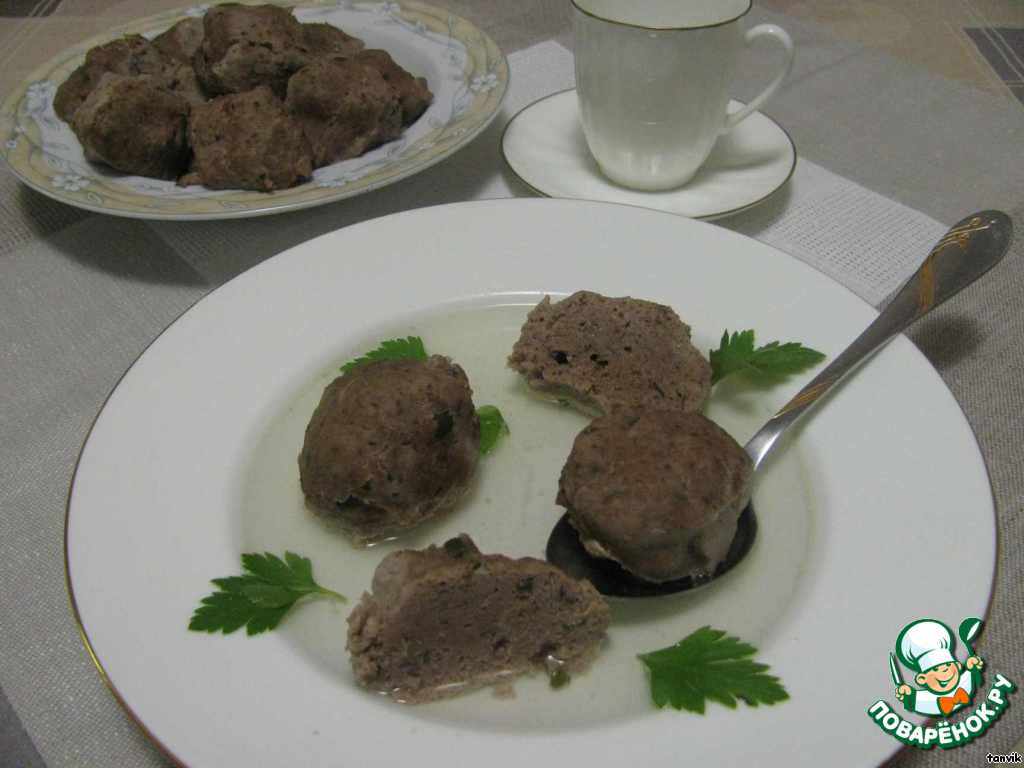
464,68
545,147
192,462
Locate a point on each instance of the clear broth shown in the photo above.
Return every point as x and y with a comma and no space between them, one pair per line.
511,510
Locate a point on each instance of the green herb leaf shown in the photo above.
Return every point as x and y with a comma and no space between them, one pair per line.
411,347
492,427
737,353
259,599
708,665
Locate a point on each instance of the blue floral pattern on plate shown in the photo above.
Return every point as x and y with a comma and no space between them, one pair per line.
464,68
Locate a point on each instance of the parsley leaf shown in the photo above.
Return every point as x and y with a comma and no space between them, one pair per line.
393,349
737,353
259,599
710,665
492,427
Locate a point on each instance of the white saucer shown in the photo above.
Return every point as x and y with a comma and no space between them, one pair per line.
544,146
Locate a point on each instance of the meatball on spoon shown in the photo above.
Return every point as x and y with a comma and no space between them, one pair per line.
965,253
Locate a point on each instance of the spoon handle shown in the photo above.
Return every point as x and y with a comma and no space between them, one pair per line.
965,253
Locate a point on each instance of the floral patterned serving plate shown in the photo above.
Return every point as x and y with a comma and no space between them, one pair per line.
465,69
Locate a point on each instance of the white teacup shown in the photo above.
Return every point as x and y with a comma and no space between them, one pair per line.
653,77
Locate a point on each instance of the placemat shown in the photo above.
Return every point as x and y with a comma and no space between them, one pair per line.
110,286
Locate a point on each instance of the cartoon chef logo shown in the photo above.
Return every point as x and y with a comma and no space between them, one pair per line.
927,647
945,685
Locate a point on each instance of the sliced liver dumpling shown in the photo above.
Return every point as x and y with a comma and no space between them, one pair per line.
448,619
601,354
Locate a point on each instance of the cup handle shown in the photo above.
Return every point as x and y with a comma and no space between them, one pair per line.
763,30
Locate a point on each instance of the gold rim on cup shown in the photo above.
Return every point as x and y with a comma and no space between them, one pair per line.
737,17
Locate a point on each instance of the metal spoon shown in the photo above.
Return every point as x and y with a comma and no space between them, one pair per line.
965,253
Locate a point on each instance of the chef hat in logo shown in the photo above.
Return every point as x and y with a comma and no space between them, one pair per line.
924,644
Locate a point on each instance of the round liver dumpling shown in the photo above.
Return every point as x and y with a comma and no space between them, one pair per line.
392,443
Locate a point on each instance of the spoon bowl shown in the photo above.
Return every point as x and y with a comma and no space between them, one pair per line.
611,579
966,252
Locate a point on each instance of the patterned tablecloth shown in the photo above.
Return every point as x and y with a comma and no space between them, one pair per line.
907,115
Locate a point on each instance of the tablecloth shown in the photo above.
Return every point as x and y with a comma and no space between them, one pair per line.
81,296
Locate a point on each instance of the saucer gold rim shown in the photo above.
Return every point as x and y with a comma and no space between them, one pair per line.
702,217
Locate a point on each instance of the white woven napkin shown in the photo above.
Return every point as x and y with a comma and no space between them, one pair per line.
865,241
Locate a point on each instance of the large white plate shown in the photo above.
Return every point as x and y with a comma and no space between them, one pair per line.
192,461
465,69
